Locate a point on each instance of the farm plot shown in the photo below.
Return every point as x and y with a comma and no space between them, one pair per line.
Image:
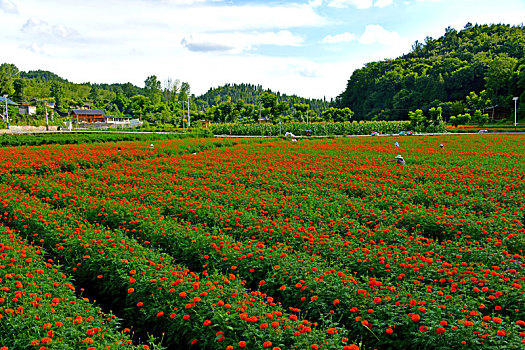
272,244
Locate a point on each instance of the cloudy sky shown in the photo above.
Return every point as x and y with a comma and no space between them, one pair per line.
303,47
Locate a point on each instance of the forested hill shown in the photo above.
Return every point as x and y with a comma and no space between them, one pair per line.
251,94
42,75
443,72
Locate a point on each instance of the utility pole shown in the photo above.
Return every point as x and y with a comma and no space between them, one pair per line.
189,123
183,115
6,112
47,121
515,113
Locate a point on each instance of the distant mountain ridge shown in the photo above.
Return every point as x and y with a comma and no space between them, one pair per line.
251,94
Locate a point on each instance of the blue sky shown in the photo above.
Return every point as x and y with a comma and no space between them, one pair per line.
305,47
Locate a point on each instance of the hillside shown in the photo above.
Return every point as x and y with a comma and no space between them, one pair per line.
251,94
443,72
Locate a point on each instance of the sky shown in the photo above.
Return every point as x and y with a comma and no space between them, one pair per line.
304,47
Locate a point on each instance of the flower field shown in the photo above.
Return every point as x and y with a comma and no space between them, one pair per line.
316,244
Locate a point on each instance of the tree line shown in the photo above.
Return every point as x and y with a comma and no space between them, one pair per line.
479,67
163,103
471,71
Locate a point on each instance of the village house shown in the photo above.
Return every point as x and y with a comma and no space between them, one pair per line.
88,115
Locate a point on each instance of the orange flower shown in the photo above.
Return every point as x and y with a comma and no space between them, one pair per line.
46,340
131,290
415,317
242,344
351,347
207,322
501,332
497,320
267,344
440,330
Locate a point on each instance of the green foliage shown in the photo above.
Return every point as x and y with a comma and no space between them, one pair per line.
337,114
440,72
480,118
251,94
311,129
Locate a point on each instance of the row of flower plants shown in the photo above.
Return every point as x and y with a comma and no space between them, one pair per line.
92,137
39,308
313,129
156,234
320,217
148,287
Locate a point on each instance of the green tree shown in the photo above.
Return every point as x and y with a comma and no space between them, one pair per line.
8,73
184,91
19,86
480,118
57,92
271,107
454,121
480,101
499,78
152,89
463,118
418,120
139,106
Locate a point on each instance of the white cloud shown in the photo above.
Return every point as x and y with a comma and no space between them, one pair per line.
8,6
374,33
41,27
238,42
360,4
383,3
315,3
339,38
36,48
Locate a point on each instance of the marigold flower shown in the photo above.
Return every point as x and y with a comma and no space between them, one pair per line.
440,330
500,332
242,344
267,344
